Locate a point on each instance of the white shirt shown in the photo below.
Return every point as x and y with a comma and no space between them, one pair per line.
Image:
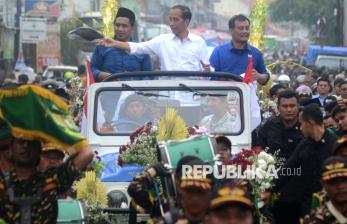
174,54
228,123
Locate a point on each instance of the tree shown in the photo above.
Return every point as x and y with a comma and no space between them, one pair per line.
306,12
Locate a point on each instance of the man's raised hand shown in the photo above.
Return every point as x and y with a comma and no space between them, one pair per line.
106,42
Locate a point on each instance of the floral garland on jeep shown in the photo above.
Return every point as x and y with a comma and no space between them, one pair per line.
142,148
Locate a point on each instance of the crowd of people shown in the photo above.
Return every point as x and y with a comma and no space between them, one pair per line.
307,128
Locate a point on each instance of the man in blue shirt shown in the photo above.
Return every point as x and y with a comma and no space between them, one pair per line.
106,61
233,57
323,89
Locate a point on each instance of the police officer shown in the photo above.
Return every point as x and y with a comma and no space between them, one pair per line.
231,204
334,181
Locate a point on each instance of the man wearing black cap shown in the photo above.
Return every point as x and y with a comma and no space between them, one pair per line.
340,148
231,204
51,157
334,181
106,61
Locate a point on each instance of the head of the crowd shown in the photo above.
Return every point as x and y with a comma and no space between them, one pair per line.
288,105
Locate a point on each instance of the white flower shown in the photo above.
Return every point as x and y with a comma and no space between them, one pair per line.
249,173
267,157
261,174
262,155
264,186
262,164
267,185
270,159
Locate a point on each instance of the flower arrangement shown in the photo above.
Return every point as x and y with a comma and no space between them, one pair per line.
260,177
260,169
91,188
75,90
142,149
171,126
93,193
244,158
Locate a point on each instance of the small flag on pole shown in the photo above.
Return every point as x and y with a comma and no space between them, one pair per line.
248,75
90,81
248,79
20,64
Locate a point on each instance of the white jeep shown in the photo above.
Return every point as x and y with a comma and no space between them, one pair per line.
113,115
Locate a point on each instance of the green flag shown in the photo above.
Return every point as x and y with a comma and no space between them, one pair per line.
33,112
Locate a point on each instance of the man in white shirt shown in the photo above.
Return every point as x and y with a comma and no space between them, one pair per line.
177,51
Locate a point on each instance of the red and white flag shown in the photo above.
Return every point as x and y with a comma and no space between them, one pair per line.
255,108
90,81
248,75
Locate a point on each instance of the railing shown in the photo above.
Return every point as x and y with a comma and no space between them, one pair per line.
185,74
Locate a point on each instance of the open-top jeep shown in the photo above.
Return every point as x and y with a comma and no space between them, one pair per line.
116,108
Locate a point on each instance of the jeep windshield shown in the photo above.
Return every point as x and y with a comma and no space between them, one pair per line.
121,110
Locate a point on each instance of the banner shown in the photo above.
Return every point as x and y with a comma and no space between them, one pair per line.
32,29
41,115
42,8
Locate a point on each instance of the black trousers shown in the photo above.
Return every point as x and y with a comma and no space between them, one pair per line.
287,213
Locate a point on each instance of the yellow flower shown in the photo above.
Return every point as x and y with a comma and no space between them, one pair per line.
171,126
91,189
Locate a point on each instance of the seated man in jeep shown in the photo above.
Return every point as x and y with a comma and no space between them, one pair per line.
222,119
133,114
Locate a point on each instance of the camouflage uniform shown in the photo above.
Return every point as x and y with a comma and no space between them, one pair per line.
321,215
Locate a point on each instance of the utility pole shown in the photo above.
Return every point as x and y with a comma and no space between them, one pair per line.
18,44
338,14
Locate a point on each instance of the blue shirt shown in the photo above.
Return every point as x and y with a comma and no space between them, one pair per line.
114,60
321,100
226,58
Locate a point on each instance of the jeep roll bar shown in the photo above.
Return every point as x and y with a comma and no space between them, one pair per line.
221,75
